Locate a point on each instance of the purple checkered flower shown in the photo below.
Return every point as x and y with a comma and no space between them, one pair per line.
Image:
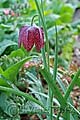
30,36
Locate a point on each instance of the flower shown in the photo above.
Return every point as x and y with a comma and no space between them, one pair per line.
30,36
9,12
12,13
6,11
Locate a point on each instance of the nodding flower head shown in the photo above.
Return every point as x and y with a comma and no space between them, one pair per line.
30,36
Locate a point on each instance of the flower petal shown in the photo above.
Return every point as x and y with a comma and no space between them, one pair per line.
29,39
39,38
22,35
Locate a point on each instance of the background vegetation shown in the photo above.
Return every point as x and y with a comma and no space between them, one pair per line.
27,90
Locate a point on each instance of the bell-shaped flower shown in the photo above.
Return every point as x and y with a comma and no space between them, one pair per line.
30,36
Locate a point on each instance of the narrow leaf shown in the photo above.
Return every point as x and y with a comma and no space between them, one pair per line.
73,82
53,86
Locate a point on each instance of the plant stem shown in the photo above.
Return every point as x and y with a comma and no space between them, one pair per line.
56,56
45,30
50,99
72,85
50,104
33,19
54,71
44,57
43,49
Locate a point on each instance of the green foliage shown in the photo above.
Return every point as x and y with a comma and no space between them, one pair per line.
12,71
15,56
67,50
4,44
8,106
17,53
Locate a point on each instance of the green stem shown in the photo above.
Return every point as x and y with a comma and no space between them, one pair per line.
72,85
54,72
56,56
50,104
45,30
20,93
43,49
33,19
50,99
44,57
42,7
